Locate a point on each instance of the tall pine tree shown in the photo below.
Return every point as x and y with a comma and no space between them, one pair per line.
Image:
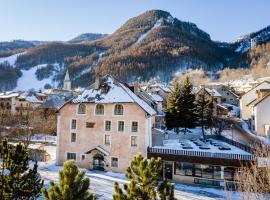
72,185
145,181
204,111
18,181
172,117
187,113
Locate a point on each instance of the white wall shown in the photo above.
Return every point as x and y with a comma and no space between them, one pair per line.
248,97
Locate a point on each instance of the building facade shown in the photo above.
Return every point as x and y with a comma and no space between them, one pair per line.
104,127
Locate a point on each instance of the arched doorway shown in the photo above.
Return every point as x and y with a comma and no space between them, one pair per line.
98,162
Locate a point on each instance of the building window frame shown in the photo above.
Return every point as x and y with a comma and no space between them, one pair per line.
105,125
118,126
71,124
99,110
118,110
113,162
107,142
79,111
132,144
82,157
131,126
70,153
73,139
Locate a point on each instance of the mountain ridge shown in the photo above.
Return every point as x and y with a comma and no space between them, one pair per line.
149,45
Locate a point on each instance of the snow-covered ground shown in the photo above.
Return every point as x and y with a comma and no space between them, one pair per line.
10,59
102,183
28,80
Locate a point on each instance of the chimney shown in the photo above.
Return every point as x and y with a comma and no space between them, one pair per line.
262,93
136,87
97,81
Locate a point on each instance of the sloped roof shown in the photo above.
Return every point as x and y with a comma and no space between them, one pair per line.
155,97
6,95
213,92
53,102
118,92
256,87
261,100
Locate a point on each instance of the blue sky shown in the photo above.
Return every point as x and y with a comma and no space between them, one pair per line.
224,20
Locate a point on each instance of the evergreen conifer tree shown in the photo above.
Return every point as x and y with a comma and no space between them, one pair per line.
172,114
210,117
145,181
18,181
72,185
203,111
187,111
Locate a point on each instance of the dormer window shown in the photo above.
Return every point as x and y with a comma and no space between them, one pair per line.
81,109
118,109
99,109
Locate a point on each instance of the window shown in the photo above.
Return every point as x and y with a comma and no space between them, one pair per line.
217,172
184,169
73,124
71,156
100,109
114,162
198,170
81,109
134,127
107,140
82,157
207,171
118,109
134,141
229,173
121,125
108,125
73,137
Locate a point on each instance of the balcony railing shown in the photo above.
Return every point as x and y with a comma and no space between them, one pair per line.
156,150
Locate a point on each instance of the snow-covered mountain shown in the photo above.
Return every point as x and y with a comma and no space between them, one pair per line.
146,46
246,42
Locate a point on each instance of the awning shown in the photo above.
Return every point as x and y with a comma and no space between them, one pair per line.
100,149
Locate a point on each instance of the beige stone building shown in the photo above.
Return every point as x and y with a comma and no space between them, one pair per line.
104,127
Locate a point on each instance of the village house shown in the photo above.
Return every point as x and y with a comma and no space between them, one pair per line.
159,89
8,101
249,97
20,102
227,95
260,119
210,94
104,127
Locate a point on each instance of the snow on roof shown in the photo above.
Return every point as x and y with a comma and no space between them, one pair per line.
7,95
27,96
177,144
117,93
155,97
213,92
53,102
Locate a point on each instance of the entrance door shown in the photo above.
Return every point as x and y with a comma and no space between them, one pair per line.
168,167
98,162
